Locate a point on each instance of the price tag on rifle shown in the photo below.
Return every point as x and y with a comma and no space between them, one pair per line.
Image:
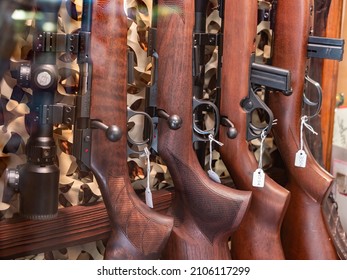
258,178
213,175
148,193
300,159
148,196
301,156
259,175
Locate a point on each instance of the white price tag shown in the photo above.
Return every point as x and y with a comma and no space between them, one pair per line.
148,193
214,176
300,159
258,178
149,199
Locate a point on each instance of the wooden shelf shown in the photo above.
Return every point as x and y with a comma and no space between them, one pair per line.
73,226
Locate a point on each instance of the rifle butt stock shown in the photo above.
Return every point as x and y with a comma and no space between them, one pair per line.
205,213
138,232
304,233
258,236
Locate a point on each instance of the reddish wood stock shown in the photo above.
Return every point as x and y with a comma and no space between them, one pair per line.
259,234
137,231
304,233
205,213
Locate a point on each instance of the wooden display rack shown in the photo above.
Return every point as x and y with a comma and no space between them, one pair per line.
81,224
73,226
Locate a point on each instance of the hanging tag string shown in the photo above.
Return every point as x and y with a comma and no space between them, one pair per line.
147,154
304,120
263,137
211,138
148,194
258,179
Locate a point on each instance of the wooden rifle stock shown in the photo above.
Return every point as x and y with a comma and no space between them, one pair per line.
205,213
258,236
137,231
304,233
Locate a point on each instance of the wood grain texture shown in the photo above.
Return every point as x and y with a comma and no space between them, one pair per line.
259,234
304,234
73,226
205,213
138,232
20,237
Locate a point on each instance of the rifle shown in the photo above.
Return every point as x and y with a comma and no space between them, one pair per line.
206,213
304,232
258,236
137,231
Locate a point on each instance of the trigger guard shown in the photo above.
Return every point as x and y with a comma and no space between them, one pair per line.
254,102
256,131
148,141
320,96
309,102
197,130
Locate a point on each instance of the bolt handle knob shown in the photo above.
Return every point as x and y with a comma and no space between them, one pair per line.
112,132
174,121
232,131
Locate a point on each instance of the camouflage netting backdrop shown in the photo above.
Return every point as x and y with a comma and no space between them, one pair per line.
76,187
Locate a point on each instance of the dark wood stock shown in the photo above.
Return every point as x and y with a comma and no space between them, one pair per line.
137,231
259,234
206,213
304,234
